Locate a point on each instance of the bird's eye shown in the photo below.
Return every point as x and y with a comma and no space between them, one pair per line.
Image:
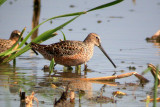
97,38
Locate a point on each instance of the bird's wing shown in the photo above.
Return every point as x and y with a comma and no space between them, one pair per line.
65,48
5,45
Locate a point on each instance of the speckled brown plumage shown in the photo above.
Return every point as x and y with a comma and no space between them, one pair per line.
70,53
5,44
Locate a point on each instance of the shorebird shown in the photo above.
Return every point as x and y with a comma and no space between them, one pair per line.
71,53
5,44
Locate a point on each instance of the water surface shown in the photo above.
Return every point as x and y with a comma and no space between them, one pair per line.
122,28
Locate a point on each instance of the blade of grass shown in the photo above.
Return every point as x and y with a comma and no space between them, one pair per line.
105,5
2,1
47,34
44,36
155,88
146,70
64,37
60,16
10,52
51,66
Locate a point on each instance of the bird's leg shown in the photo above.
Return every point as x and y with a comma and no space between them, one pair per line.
78,68
69,68
114,73
85,66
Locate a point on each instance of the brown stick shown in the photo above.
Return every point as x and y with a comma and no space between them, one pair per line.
100,78
126,75
141,78
108,78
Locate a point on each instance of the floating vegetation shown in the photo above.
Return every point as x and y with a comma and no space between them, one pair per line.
131,10
82,86
70,29
84,29
154,70
154,38
132,68
122,61
72,6
101,99
122,71
120,17
156,74
150,99
118,93
99,21
46,68
53,86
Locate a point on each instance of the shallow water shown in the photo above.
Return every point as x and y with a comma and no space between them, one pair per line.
123,30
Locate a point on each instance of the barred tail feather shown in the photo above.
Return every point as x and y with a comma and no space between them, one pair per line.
42,50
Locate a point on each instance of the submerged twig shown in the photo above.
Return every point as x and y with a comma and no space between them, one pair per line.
111,78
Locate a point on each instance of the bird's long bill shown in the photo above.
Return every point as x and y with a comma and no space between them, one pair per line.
101,48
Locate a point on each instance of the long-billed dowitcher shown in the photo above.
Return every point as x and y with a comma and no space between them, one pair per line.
5,44
71,53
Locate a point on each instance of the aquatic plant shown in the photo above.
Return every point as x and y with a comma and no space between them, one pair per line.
156,87
2,1
156,74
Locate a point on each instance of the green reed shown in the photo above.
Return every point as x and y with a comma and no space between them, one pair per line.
155,87
64,37
51,66
2,1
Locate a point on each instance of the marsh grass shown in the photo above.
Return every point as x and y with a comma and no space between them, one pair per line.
51,66
156,87
64,37
156,83
2,1
49,33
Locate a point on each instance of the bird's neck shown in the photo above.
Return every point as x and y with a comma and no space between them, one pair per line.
13,41
87,40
